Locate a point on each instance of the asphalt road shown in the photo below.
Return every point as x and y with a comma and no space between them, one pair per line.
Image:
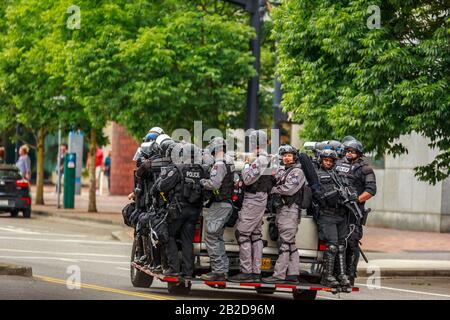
63,251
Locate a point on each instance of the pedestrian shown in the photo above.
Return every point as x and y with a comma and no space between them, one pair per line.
2,155
98,165
362,178
257,184
107,169
220,184
62,153
287,192
332,223
24,162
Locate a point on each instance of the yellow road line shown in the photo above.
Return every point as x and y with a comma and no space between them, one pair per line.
106,289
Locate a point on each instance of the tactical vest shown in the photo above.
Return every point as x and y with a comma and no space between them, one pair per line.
329,194
158,164
227,186
190,190
263,184
295,198
352,174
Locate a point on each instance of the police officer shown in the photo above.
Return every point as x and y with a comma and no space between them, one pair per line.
290,181
257,181
361,177
220,183
145,176
181,182
332,223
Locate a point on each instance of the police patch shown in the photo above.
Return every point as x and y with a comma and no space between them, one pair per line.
170,173
163,172
342,169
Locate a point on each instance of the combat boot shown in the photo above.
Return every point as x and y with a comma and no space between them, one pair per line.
344,282
242,277
329,256
212,276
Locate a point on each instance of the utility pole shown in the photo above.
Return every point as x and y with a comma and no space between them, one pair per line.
254,8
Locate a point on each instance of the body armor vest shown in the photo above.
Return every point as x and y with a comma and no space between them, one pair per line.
295,198
227,186
190,190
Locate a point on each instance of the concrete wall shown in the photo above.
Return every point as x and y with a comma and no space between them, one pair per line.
402,201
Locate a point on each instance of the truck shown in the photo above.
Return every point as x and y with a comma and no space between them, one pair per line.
307,240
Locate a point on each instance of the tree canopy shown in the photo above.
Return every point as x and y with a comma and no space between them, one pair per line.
341,77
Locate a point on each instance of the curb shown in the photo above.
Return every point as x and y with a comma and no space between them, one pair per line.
394,272
64,216
13,270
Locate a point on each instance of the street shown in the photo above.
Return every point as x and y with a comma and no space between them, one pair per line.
55,247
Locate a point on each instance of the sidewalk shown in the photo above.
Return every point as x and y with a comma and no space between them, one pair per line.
390,249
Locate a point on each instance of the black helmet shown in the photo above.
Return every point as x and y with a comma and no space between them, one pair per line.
190,153
354,144
288,149
348,138
217,144
328,153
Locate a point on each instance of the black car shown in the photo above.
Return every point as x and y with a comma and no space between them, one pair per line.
14,191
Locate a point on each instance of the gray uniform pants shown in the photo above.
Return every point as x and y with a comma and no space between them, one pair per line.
218,215
288,262
249,236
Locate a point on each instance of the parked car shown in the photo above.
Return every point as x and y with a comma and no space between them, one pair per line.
14,192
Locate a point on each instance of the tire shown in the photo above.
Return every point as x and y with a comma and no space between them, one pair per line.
179,288
304,294
14,213
26,213
139,279
265,290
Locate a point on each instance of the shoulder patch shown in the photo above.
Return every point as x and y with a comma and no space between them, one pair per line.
171,173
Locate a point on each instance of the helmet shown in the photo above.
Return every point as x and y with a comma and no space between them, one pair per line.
153,133
137,155
354,144
190,153
287,149
258,138
328,153
217,144
348,138
335,145
147,148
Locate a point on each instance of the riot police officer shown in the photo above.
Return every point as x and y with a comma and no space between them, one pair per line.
332,223
290,181
220,183
145,176
361,177
181,182
258,182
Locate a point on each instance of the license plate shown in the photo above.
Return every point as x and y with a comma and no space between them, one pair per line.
4,203
266,264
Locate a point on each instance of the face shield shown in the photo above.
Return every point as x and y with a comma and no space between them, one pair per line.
137,155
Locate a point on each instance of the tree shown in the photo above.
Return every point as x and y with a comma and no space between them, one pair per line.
193,65
26,85
342,77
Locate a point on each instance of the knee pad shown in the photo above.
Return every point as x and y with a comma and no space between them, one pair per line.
255,237
333,249
241,238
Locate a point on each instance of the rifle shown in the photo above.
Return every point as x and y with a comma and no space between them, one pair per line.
349,198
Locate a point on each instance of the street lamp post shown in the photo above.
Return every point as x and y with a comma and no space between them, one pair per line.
253,7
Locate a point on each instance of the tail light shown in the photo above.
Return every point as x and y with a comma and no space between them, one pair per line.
322,246
22,183
27,200
234,197
198,231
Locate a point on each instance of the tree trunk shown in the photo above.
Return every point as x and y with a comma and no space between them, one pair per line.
40,167
92,181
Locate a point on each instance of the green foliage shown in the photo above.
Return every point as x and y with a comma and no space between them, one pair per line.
340,77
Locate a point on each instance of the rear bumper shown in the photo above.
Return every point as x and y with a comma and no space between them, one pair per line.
309,267
14,203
